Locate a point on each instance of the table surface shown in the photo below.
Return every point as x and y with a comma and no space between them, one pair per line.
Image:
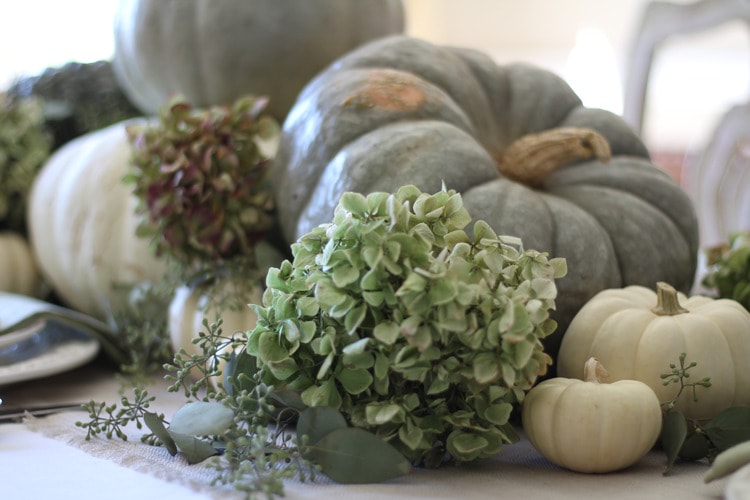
46,456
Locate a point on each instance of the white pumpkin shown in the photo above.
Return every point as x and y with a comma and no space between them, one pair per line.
592,427
19,272
82,222
636,332
190,306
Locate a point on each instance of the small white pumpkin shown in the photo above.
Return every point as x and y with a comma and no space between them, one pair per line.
637,332
587,426
19,272
82,222
191,305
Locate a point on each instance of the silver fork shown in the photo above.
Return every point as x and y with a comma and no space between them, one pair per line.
17,414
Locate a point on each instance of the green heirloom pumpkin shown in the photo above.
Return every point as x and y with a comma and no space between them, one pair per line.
215,51
402,111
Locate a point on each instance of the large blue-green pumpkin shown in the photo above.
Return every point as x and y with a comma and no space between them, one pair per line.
404,111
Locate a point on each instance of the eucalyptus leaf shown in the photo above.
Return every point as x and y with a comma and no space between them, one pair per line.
318,421
202,418
695,447
355,456
730,427
155,423
195,450
673,435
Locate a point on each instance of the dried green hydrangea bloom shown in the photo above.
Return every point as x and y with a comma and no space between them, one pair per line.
24,147
201,177
408,325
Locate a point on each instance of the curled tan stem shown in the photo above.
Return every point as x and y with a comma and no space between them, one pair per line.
533,157
594,371
667,301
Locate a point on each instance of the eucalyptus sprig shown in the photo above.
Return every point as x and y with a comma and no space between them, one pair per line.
111,420
693,439
243,433
679,375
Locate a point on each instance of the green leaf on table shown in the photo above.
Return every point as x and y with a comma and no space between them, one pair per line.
673,434
695,447
730,427
202,418
316,422
355,456
195,450
156,424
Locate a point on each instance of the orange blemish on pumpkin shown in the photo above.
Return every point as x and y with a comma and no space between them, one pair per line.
390,94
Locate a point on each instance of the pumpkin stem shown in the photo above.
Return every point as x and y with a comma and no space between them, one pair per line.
594,371
532,157
667,303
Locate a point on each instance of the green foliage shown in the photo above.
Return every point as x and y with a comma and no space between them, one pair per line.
201,177
111,420
241,432
688,439
24,147
77,98
729,269
408,325
139,322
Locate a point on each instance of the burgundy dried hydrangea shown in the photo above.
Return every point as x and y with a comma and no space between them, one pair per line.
202,180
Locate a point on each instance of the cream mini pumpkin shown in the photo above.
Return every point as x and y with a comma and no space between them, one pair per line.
637,332
19,272
191,305
588,426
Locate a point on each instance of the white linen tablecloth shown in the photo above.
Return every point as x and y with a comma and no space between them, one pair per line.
48,457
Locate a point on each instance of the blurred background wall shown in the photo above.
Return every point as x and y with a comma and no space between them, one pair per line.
694,80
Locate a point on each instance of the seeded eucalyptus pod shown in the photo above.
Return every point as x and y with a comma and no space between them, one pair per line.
202,180
413,328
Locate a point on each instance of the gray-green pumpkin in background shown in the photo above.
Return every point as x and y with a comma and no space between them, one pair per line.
403,111
216,51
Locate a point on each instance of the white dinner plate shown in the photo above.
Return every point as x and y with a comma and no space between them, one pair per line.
38,339
58,359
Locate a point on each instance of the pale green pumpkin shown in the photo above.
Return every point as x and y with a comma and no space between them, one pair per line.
403,111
